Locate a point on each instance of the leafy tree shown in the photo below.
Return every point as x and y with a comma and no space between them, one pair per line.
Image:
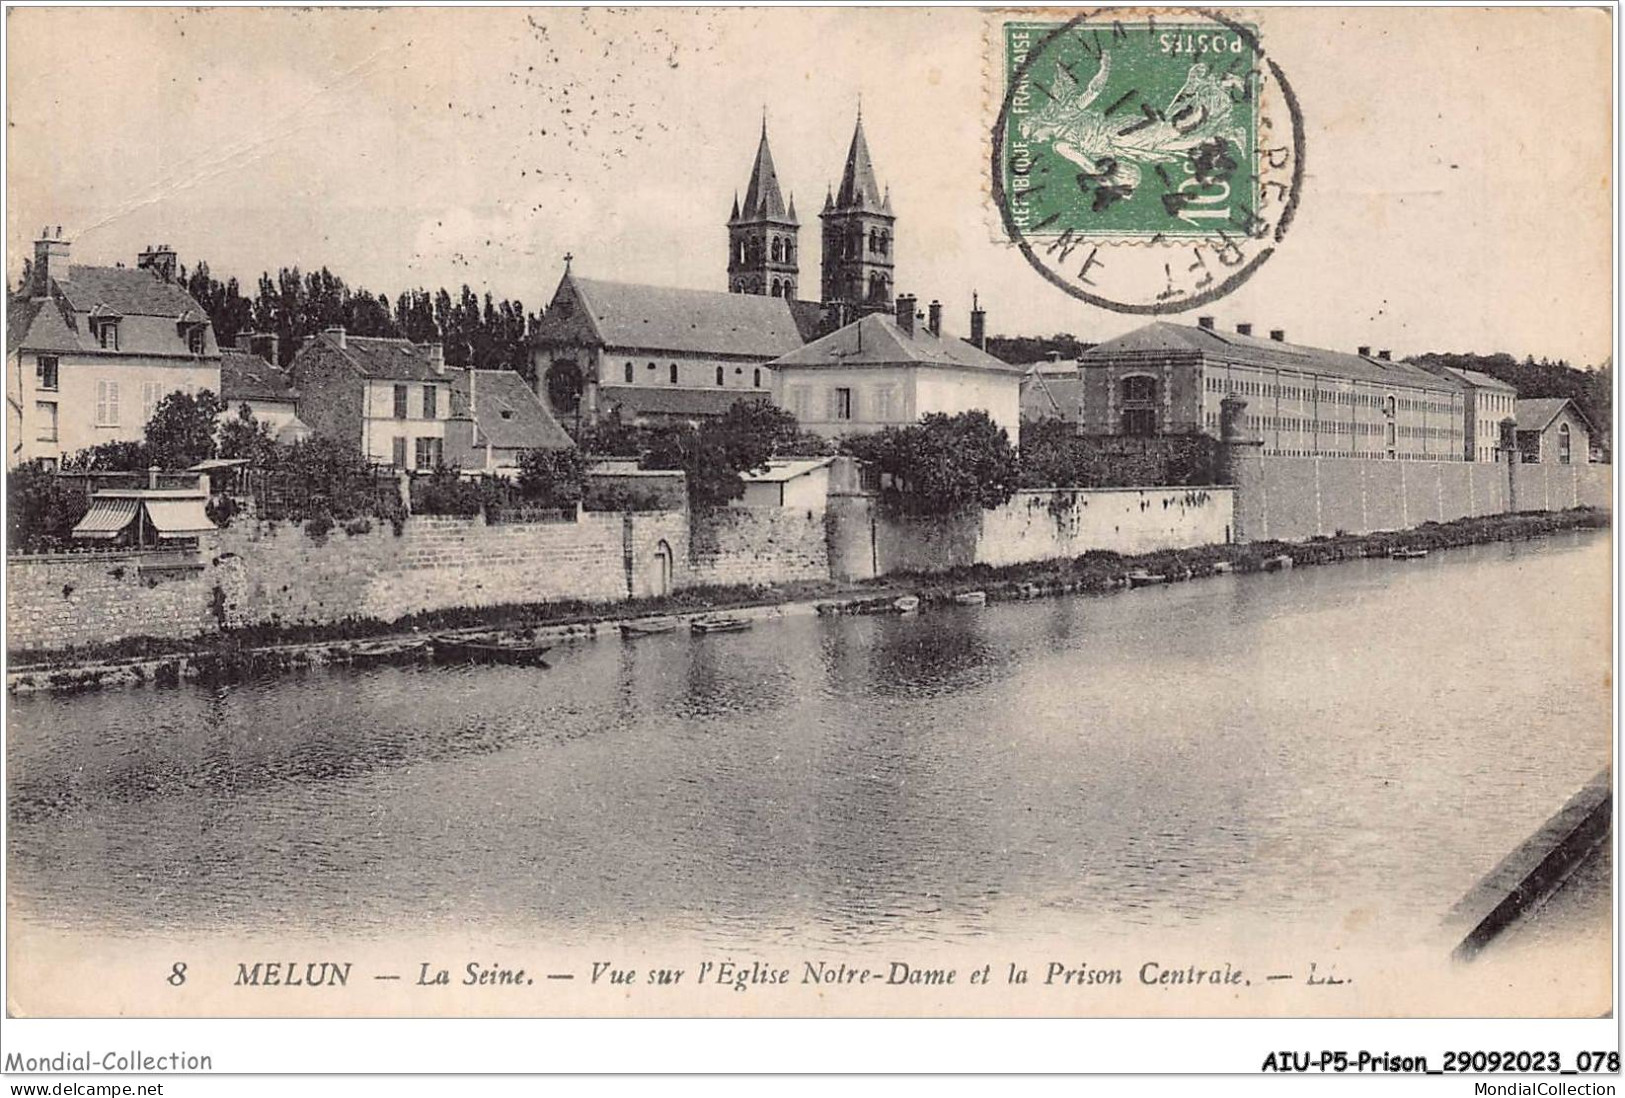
1024,349
244,436
942,464
552,478
713,455
126,456
182,428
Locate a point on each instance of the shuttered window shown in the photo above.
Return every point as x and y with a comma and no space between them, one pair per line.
107,404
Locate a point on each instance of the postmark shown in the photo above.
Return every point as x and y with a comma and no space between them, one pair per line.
1143,161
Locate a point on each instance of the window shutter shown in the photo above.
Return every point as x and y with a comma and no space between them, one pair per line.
834,404
112,402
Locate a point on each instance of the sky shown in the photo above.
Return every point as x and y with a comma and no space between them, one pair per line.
1458,189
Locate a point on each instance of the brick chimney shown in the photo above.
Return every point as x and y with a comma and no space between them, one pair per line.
1205,323
437,357
1363,351
1386,356
905,313
1245,328
336,334
264,344
1278,334
978,323
160,260
934,318
50,261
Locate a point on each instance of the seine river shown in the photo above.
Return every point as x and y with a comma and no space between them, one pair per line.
1371,736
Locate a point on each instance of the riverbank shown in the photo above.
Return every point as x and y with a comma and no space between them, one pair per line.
271,649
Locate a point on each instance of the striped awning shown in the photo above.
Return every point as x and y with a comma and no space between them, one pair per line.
106,518
178,518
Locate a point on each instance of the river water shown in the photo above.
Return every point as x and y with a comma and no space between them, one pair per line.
1265,750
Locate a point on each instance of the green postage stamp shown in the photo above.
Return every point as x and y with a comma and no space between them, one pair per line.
1120,128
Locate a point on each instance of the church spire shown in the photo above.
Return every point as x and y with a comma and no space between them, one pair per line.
859,191
763,199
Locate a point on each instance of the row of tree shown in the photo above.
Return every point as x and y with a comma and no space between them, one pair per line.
482,331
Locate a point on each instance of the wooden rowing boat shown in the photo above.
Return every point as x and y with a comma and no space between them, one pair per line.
386,651
648,627
1407,554
490,648
906,604
1142,578
720,623
971,598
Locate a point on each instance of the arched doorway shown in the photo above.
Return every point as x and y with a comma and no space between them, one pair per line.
563,382
660,570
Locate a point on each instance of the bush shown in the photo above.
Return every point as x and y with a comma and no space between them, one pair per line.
446,492
41,510
322,477
943,464
222,509
620,497
552,478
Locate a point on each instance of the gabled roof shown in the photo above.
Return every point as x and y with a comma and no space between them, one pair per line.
152,315
876,340
858,190
634,400
664,318
506,411
763,200
1164,336
1536,414
373,357
245,376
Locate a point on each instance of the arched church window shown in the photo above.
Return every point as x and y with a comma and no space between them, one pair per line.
756,378
778,249
629,373
874,241
674,373
719,376
790,250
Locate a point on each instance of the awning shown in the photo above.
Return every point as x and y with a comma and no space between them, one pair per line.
106,518
178,518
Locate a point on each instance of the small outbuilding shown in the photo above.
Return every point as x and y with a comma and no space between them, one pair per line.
1553,431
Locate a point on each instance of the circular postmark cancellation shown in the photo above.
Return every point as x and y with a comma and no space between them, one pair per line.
1144,162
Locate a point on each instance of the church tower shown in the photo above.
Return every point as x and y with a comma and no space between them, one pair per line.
858,225
762,234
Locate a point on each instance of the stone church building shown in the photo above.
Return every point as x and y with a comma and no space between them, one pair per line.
661,354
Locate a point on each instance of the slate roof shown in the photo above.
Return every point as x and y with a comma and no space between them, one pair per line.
634,316
876,340
150,315
641,400
763,199
1165,336
245,376
1476,379
1536,414
383,359
859,190
507,411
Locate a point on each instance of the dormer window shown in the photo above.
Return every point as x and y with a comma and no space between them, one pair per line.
194,340
104,331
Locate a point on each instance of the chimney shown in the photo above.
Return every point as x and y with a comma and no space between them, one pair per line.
1205,323
978,323
1244,329
50,261
934,315
905,313
1278,334
1363,351
1386,356
159,260
437,357
336,334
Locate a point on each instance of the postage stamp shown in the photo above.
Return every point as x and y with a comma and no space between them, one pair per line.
1143,164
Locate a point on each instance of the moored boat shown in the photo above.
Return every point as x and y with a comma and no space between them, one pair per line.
906,604
648,627
1141,578
971,598
1406,553
719,623
490,648
1277,563
386,651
